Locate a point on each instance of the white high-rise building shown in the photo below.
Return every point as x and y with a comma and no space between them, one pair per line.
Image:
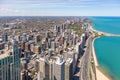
68,69
59,69
43,73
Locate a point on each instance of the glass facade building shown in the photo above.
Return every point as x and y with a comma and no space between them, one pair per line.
10,65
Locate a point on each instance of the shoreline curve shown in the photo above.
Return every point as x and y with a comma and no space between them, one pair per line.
100,74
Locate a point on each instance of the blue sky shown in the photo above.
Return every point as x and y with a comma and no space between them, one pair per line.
59,7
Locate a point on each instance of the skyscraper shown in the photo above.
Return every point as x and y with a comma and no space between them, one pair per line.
59,69
10,63
43,46
24,37
37,38
4,37
53,45
68,69
47,34
72,54
43,73
58,29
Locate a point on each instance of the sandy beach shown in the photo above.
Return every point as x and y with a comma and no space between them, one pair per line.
99,74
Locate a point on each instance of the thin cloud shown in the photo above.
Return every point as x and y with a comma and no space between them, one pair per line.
60,7
10,12
4,10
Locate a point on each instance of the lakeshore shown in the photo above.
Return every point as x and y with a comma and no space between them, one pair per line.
107,48
103,33
100,74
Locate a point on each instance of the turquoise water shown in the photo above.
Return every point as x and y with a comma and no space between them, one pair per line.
108,48
107,24
108,54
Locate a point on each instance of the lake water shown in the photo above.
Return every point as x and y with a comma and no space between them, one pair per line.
108,48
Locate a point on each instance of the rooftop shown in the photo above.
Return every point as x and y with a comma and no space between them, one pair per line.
59,61
69,61
5,53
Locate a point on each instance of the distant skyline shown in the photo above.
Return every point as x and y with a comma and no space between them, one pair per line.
59,7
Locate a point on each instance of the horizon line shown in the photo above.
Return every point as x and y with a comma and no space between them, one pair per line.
56,16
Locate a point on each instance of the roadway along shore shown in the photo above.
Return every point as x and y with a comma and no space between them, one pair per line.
85,61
